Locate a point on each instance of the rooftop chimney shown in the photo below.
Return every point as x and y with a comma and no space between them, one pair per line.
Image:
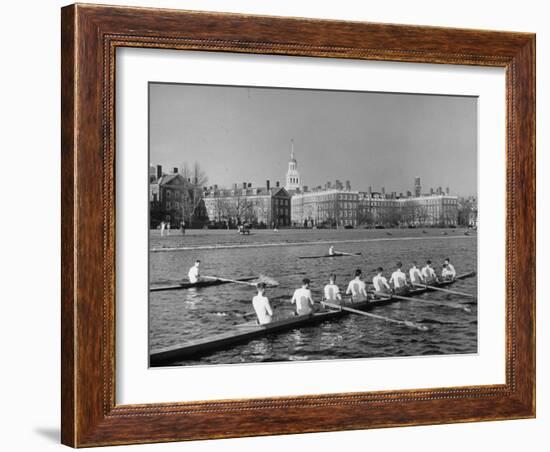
249,185
348,185
267,184
175,171
277,184
159,171
447,190
244,185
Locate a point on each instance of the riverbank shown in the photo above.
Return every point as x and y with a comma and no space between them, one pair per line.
220,239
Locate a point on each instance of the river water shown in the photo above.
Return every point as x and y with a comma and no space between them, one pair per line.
177,317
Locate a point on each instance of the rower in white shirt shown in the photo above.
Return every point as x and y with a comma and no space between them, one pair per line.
428,273
380,283
194,274
415,274
261,305
302,299
331,250
332,291
449,271
357,288
398,279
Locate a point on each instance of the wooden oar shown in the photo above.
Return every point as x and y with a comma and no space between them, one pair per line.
269,281
446,290
437,303
375,316
347,254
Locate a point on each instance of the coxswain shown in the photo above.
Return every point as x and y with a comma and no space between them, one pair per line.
357,288
448,272
302,299
428,273
261,305
398,279
380,283
194,274
332,291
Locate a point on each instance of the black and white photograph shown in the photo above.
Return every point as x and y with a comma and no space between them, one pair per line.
303,224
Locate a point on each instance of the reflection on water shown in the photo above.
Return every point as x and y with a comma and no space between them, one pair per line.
180,316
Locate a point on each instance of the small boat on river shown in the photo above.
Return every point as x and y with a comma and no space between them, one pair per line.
199,284
251,330
330,255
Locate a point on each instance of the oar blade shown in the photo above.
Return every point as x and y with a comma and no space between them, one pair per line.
267,280
416,326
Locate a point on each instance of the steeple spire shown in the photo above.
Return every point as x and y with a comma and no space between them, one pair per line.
292,175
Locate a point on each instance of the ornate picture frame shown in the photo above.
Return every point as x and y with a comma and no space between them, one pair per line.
90,37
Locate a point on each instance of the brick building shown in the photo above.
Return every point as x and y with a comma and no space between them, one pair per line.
172,198
259,206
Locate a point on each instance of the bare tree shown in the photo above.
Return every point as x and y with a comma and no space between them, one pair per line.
195,180
199,176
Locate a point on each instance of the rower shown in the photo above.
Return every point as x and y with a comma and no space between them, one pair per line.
380,283
428,273
449,272
194,274
261,305
415,274
332,291
357,288
302,298
331,250
399,280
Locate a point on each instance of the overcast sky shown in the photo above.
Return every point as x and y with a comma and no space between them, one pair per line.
240,134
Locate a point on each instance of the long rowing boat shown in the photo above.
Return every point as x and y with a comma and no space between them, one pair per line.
330,255
251,330
203,283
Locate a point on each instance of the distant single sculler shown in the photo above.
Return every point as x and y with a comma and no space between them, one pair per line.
194,274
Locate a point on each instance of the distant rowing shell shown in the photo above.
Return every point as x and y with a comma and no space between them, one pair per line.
331,255
199,284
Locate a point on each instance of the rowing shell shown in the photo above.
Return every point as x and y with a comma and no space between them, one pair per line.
330,255
251,330
189,285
